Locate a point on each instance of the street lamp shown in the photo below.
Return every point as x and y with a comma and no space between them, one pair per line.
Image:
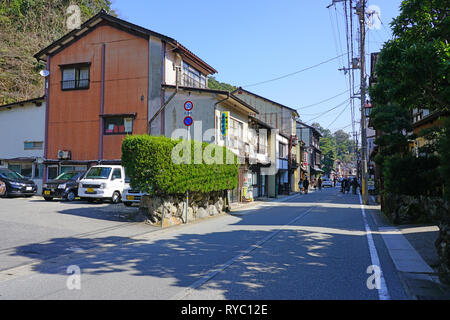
367,108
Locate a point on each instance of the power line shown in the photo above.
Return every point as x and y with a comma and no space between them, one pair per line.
293,73
317,103
338,116
329,110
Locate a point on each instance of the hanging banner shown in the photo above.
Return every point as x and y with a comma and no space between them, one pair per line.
224,123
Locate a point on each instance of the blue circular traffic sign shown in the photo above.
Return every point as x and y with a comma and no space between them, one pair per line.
188,121
188,105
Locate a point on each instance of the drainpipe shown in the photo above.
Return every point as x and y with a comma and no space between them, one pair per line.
177,69
47,110
102,105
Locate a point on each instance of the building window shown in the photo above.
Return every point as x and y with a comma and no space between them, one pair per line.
118,125
192,77
283,154
75,77
236,133
33,145
38,170
52,172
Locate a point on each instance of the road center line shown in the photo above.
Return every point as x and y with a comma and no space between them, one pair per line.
212,273
383,292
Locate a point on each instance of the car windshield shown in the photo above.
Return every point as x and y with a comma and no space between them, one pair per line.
9,174
98,173
66,175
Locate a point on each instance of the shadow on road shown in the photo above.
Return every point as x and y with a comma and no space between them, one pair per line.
311,253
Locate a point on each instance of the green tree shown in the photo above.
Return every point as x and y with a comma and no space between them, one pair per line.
216,85
413,68
26,27
412,73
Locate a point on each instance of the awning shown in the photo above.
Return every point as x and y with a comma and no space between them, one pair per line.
316,169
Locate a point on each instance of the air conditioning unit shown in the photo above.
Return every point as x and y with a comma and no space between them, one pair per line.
64,155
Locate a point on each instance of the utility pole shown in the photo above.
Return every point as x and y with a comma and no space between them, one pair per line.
360,9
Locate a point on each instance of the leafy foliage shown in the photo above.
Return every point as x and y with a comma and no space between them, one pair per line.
413,68
410,175
394,122
337,145
216,85
151,167
26,27
444,154
412,73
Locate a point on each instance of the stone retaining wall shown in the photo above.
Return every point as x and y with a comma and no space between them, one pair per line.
402,209
174,207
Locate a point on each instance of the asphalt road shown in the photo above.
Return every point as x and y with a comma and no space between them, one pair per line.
313,246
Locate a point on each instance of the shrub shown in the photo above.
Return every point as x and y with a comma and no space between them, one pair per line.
151,168
414,176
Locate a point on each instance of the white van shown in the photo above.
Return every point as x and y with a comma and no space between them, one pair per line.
103,182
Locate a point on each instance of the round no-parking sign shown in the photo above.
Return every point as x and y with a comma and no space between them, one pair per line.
188,121
188,105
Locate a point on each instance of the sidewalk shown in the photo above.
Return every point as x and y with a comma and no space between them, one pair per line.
414,255
239,209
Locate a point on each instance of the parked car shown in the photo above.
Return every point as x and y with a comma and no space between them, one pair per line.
131,196
64,186
326,182
13,184
103,182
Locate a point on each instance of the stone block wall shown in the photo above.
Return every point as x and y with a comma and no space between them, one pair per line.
174,207
402,209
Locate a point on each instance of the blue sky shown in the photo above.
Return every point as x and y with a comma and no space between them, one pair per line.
256,40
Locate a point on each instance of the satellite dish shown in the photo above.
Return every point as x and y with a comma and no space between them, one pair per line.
44,73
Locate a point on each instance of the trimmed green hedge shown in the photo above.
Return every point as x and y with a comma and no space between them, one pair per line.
149,164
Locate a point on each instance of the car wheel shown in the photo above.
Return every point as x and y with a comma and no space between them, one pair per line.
128,204
115,197
70,196
48,199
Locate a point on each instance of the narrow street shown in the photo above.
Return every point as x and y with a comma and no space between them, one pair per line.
311,246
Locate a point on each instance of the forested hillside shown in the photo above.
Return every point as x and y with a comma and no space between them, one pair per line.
337,145
27,26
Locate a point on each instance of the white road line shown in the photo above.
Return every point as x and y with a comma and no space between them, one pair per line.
383,292
211,274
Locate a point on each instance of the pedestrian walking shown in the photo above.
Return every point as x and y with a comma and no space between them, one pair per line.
354,185
305,185
343,185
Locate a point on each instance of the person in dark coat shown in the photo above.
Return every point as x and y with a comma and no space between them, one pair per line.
343,185
354,185
347,185
305,185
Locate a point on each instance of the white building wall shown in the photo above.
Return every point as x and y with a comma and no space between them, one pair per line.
20,124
